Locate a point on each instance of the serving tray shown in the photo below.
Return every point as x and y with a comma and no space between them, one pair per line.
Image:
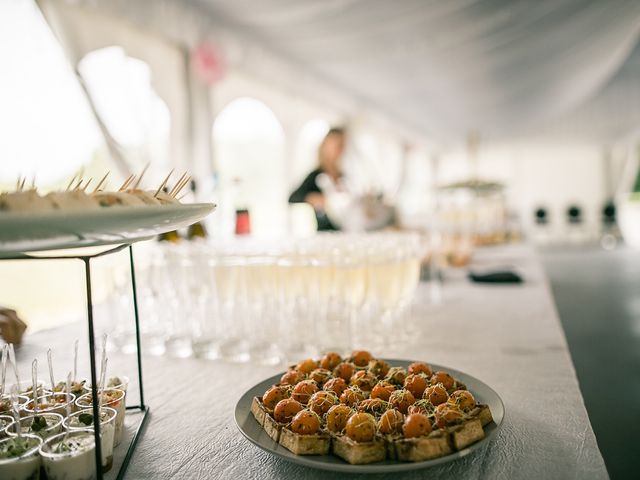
252,430
55,230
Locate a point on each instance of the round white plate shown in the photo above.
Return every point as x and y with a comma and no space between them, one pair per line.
252,430
74,229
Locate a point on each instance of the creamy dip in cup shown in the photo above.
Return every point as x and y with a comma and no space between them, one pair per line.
70,456
43,425
19,459
113,398
83,420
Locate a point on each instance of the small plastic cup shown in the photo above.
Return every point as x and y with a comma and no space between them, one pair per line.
69,456
53,426
22,466
25,387
5,422
51,403
113,398
83,420
7,409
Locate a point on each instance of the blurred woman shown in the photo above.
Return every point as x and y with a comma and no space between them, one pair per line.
328,174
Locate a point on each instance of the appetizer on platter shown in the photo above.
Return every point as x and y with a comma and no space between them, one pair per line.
77,198
69,456
19,457
364,410
43,425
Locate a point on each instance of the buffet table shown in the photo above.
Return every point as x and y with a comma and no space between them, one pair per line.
509,336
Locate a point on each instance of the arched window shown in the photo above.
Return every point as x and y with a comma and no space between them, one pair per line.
305,158
136,117
47,127
249,151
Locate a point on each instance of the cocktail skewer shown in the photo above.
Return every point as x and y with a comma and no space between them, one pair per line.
12,359
126,183
50,362
73,179
5,353
75,360
180,185
14,410
162,185
101,182
177,183
34,380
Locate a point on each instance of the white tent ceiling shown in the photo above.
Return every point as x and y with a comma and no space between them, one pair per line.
440,68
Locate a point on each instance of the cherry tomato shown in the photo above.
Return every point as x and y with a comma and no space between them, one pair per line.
374,406
337,417
422,406
396,375
401,399
390,421
307,366
292,377
361,427
351,396
320,376
305,422
416,425
447,414
416,384
361,358
336,385
382,390
302,391
363,380
344,370
463,400
276,393
379,368
322,401
444,378
286,409
419,367
436,394
330,360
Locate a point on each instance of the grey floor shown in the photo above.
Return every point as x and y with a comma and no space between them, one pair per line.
598,298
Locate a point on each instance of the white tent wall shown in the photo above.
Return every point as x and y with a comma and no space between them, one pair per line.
82,31
549,117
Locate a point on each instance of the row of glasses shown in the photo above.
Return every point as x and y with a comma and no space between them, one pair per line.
271,302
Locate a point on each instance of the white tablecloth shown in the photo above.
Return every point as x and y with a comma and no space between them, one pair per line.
508,336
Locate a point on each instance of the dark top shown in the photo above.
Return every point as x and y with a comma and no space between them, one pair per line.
307,186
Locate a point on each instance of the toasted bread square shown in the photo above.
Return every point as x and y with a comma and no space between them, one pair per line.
272,427
466,433
482,413
258,410
434,445
318,444
358,453
389,444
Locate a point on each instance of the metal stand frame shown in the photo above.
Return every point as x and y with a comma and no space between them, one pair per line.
86,259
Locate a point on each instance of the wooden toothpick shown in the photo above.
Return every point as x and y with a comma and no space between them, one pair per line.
163,183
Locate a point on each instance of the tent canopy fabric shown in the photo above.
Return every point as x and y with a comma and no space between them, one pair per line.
440,69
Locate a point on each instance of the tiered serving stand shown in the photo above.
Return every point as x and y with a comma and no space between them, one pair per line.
63,236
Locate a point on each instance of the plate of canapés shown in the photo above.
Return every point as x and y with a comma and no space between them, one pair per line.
368,415
78,217
54,429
